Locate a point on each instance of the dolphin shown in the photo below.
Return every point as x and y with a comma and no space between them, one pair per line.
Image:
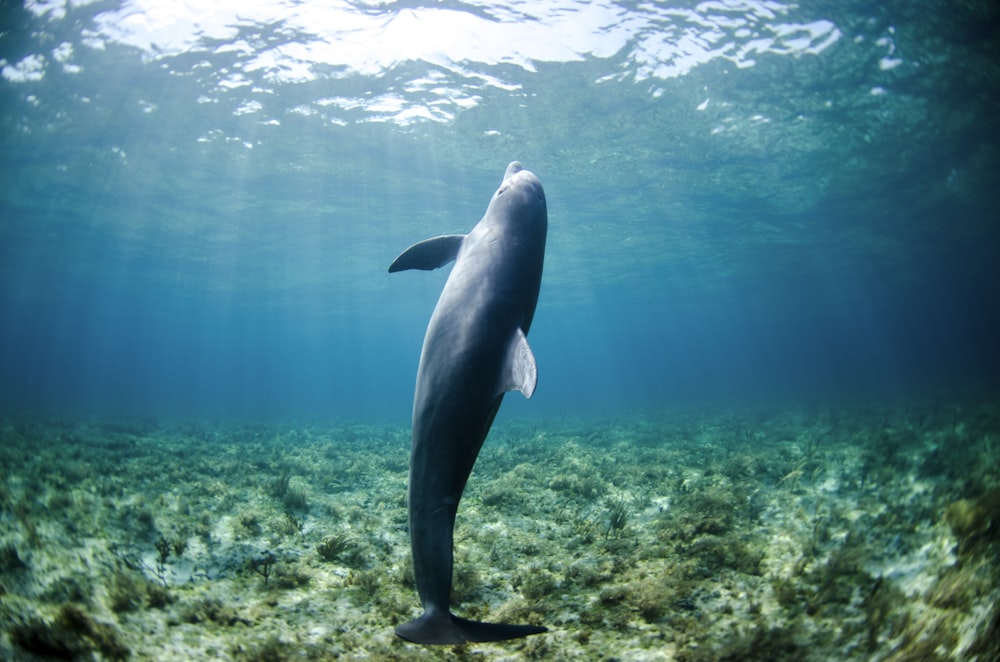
475,350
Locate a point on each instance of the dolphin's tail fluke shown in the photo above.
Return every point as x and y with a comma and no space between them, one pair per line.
438,627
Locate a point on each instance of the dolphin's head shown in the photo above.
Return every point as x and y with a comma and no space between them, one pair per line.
517,178
519,203
512,169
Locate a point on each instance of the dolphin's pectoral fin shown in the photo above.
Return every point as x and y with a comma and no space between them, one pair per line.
443,628
428,254
520,372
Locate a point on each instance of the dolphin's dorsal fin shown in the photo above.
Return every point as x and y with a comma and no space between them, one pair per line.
429,253
520,373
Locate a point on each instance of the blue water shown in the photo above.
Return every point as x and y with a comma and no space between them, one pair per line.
748,201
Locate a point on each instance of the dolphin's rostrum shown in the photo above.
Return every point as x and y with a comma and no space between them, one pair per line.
475,350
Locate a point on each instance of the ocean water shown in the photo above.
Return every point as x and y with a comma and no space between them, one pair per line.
747,200
756,206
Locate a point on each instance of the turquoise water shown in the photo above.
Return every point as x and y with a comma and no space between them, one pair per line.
766,419
747,200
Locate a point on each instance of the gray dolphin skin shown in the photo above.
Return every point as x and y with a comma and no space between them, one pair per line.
475,350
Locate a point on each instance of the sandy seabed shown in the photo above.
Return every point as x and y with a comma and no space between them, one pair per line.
857,533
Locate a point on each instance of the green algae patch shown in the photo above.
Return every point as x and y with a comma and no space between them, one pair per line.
976,522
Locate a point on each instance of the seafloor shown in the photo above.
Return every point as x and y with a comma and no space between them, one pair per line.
861,533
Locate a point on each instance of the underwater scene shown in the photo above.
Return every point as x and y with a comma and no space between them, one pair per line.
715,285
